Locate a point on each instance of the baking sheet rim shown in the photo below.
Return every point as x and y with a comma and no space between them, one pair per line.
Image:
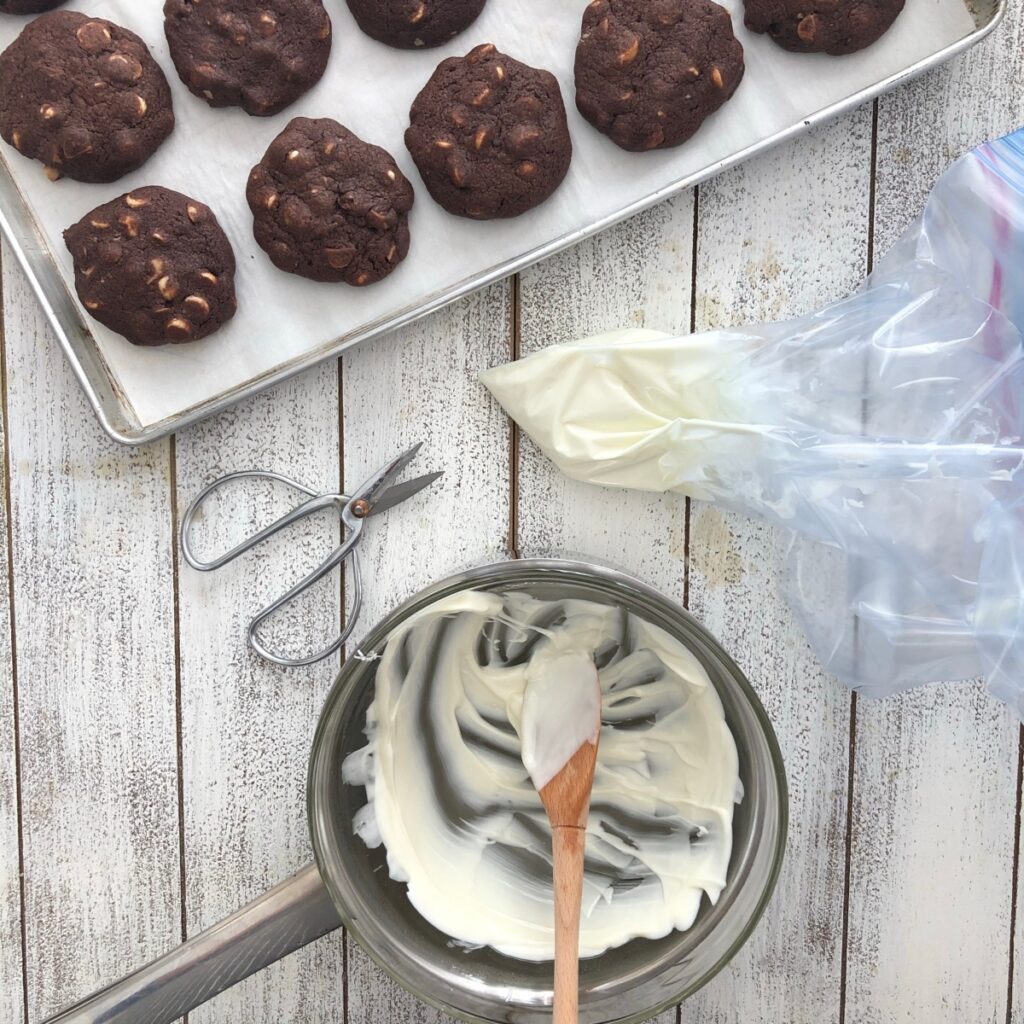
134,433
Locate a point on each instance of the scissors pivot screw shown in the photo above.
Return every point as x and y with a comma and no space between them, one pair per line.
360,508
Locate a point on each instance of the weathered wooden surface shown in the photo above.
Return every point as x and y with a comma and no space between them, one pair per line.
162,766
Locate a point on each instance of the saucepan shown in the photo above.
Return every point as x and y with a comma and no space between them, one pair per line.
349,883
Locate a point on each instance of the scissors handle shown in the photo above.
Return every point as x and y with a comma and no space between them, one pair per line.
343,551
315,503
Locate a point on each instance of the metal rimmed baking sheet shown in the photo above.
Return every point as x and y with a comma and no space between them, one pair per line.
286,324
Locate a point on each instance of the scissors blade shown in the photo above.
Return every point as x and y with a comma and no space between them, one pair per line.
401,492
370,489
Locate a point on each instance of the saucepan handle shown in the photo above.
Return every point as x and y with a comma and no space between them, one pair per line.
290,915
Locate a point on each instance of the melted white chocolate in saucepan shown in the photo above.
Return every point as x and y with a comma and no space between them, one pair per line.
455,807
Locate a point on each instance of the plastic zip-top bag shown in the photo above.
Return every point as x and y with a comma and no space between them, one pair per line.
885,432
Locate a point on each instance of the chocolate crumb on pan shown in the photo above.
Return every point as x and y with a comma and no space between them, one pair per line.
489,135
84,96
328,206
822,26
409,24
649,72
28,6
260,55
155,266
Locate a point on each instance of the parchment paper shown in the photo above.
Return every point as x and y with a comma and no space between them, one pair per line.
369,88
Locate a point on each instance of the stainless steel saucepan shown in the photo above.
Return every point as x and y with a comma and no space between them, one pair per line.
349,884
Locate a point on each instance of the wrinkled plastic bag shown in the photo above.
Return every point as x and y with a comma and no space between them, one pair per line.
885,432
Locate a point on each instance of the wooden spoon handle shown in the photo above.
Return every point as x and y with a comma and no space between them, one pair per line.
568,843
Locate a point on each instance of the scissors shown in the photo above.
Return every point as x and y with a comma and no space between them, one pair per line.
375,495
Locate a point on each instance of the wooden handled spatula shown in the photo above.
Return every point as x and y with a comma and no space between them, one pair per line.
566,798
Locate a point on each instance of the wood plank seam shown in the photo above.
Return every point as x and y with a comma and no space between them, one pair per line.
1015,877
9,540
848,863
514,440
852,751
343,575
178,723
345,940
693,259
872,186
686,500
342,619
687,509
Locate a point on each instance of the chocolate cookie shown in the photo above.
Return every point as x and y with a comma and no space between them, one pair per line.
648,72
409,24
489,135
84,96
822,26
28,6
328,206
260,55
155,266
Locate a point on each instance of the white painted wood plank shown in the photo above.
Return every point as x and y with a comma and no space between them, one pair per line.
247,725
932,857
936,770
373,998
11,1001
11,989
95,647
637,274
421,385
782,235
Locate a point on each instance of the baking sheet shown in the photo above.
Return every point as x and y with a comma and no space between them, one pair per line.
284,319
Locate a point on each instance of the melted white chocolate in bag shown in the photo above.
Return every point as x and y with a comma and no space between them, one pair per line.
456,809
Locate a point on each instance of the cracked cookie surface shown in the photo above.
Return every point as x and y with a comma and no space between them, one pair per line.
28,6
328,206
822,26
489,135
154,266
410,24
649,72
260,55
84,96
